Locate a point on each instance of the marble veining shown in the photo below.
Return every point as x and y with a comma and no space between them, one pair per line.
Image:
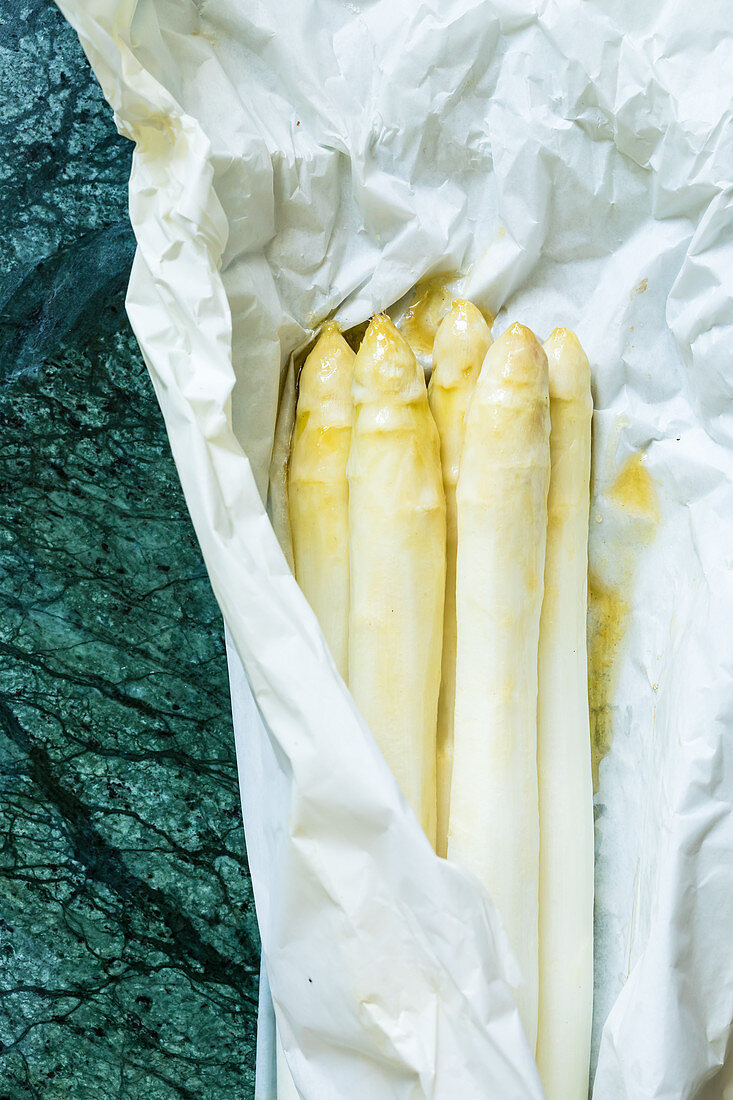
128,939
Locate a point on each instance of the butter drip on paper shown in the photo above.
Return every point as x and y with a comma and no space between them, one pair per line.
633,495
608,613
635,492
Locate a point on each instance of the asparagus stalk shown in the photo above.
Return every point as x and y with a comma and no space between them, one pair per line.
502,522
461,343
318,489
397,562
563,754
318,499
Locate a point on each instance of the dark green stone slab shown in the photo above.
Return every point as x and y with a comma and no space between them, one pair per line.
128,940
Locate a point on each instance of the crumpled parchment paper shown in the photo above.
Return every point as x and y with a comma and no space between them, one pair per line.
565,162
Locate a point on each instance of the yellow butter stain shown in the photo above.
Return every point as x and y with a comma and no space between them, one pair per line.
634,495
639,288
634,490
608,613
432,301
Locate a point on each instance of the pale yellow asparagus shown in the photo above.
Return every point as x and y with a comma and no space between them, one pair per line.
502,523
397,562
563,752
318,488
461,343
318,499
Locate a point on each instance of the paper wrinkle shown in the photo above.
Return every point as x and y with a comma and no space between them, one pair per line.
573,163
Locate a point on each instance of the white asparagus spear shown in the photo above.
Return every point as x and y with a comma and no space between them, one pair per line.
502,522
318,498
397,561
461,343
563,750
318,489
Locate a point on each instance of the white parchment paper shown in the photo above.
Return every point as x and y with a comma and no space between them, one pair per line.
572,163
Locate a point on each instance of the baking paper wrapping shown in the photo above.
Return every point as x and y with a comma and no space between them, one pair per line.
566,163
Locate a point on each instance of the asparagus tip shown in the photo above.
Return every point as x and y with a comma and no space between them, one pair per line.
568,365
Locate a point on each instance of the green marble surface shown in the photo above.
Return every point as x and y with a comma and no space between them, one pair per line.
128,940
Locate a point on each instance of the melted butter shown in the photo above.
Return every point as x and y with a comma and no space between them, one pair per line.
634,489
432,301
608,614
633,495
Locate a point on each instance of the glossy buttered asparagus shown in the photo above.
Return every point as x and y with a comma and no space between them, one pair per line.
397,561
319,491
461,343
502,523
465,546
563,756
318,498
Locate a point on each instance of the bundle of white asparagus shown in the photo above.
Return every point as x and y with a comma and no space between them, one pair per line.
440,535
